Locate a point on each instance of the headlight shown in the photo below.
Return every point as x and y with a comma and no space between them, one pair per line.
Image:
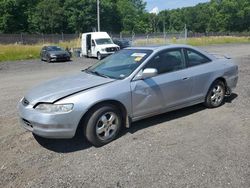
54,108
103,49
52,55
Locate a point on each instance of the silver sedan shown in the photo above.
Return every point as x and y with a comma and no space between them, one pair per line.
130,85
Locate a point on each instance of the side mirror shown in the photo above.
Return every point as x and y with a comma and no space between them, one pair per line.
146,73
149,72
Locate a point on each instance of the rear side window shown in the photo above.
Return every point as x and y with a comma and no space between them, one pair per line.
195,58
167,61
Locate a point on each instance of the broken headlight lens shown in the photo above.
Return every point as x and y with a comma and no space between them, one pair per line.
54,108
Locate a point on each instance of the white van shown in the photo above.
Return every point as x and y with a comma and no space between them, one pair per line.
98,44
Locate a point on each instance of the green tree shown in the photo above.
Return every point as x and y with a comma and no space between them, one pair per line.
110,17
48,17
80,15
77,16
13,17
131,13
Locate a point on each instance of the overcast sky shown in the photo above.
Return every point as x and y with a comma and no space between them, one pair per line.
171,4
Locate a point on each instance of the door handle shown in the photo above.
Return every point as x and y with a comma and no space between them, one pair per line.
185,78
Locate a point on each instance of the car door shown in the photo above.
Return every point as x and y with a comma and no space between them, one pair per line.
201,69
88,44
171,87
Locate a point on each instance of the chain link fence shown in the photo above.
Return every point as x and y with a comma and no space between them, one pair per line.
151,39
36,38
135,38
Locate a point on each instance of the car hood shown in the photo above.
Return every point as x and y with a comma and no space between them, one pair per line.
59,88
109,45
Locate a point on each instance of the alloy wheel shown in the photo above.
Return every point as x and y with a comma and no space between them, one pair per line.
217,95
107,126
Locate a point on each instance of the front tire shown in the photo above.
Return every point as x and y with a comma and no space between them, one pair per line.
103,125
48,60
99,56
215,95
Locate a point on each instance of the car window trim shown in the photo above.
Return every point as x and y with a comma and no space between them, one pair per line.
166,50
187,61
149,53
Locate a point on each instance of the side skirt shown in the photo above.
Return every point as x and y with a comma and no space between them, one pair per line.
198,101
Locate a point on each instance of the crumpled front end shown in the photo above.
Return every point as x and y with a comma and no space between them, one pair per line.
48,125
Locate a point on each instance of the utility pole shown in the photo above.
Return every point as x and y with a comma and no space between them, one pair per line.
98,15
164,27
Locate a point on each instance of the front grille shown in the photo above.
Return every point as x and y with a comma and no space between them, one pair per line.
113,49
25,102
62,55
26,122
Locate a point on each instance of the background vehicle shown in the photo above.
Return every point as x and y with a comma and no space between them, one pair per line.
98,44
127,86
53,54
122,43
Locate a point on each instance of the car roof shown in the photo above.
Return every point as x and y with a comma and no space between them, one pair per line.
161,47
49,46
171,46
53,46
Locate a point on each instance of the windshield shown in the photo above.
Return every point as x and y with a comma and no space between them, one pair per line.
103,41
54,48
121,64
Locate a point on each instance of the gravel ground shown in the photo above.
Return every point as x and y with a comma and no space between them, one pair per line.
192,147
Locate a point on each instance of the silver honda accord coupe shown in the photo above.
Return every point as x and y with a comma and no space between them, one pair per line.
130,85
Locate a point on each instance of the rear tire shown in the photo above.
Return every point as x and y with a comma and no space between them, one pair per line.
216,94
103,124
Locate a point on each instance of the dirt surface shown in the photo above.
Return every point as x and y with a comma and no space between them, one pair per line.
192,147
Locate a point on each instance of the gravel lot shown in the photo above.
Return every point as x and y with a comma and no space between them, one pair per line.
192,147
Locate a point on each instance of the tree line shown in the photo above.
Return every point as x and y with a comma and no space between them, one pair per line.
127,16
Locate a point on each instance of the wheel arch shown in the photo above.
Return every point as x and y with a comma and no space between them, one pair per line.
222,79
207,101
116,103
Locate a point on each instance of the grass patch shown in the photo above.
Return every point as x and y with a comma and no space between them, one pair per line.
71,44
21,52
199,41
14,52
205,41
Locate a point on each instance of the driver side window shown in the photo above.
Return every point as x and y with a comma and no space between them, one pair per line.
167,61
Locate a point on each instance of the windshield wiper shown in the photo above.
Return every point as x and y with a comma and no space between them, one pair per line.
86,70
100,74
97,73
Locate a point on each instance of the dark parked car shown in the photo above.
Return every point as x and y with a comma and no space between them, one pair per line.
123,43
53,54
